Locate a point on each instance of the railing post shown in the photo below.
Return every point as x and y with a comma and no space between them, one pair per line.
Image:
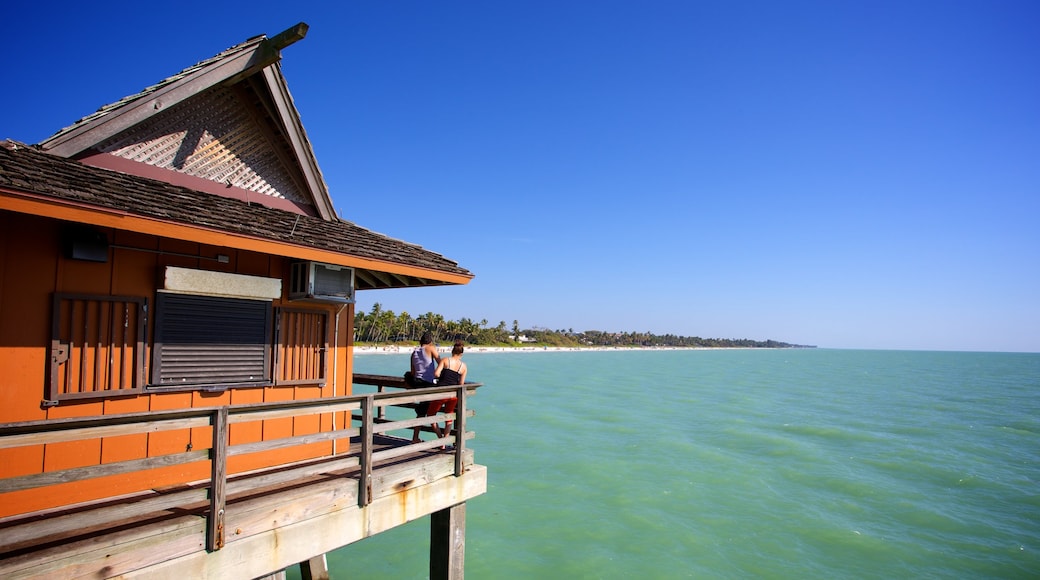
365,477
460,429
218,480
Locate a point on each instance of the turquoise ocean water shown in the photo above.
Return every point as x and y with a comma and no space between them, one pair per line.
742,463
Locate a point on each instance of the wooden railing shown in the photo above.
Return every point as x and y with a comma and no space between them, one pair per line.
364,415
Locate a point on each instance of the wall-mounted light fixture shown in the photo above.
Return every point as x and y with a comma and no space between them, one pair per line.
85,243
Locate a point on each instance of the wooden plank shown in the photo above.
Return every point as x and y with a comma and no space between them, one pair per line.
106,469
67,423
403,451
423,394
35,531
380,381
387,426
284,442
384,426
248,416
394,381
258,555
402,400
406,475
245,485
273,511
80,433
395,452
112,554
110,425
394,479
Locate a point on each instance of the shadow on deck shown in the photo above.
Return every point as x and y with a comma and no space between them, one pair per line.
364,479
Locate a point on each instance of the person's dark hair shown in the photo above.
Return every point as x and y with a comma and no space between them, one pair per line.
427,338
457,349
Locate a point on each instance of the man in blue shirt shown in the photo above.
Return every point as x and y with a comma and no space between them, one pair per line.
425,359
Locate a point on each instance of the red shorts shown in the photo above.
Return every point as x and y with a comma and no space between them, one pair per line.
447,404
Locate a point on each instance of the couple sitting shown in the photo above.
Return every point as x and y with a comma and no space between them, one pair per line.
428,369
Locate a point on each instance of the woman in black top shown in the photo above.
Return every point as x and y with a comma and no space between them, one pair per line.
450,371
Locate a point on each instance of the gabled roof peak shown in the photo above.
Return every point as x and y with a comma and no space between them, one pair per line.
228,121
57,142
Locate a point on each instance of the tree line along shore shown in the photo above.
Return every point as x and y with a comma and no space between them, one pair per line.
380,326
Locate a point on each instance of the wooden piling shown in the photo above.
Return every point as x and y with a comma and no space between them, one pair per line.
317,568
448,543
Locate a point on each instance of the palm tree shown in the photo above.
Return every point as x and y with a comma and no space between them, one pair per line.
404,327
359,325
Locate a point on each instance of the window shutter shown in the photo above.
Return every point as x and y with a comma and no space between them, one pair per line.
97,346
301,345
206,340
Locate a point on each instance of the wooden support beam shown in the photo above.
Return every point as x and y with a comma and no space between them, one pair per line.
289,36
317,568
448,543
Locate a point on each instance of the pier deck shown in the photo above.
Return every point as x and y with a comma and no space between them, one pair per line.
363,480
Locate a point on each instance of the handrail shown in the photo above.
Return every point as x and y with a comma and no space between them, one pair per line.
44,432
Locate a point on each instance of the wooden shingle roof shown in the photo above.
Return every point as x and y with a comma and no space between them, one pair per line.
43,184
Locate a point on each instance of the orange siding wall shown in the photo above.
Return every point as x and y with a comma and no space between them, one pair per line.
33,267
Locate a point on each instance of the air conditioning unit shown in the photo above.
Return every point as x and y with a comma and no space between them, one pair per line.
317,282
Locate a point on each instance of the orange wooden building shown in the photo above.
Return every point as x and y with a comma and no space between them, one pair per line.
166,263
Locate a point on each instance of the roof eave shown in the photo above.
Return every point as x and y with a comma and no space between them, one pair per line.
372,273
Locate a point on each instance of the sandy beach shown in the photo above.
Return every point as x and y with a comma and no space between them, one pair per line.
390,349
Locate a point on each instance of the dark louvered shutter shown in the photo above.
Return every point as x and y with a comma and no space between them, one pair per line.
205,340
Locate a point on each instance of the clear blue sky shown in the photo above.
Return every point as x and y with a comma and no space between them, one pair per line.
843,174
